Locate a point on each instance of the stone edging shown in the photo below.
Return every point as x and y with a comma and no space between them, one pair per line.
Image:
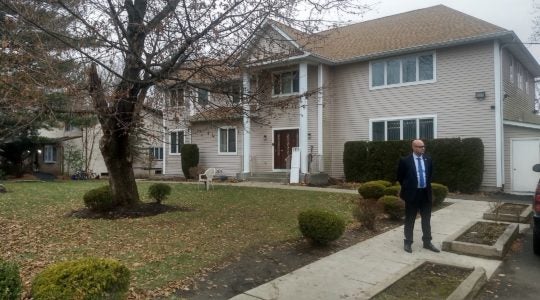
498,250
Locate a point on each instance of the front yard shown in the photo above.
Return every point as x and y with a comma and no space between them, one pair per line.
162,250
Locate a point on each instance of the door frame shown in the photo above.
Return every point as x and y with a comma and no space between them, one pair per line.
512,162
273,134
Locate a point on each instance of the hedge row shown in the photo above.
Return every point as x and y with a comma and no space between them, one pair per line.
458,163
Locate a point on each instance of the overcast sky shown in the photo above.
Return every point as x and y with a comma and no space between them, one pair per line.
516,15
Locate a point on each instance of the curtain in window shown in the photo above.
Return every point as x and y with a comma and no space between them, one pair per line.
223,140
409,129
392,72
409,69
378,131
425,65
393,131
377,74
426,129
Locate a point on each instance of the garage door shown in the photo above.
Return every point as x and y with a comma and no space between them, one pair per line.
525,154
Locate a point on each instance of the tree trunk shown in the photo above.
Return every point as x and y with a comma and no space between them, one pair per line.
116,152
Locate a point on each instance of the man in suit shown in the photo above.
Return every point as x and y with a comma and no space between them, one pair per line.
414,174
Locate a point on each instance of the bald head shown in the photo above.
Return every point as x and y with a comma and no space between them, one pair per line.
418,147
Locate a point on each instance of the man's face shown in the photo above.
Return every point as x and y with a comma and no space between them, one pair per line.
418,147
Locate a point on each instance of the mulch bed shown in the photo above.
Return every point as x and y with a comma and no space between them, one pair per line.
511,209
485,233
428,281
139,211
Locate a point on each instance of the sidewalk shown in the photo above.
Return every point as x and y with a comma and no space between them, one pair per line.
354,273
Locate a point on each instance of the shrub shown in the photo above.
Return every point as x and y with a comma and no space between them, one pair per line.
190,158
321,226
385,183
392,190
393,207
99,199
195,171
439,193
366,212
371,190
10,281
88,278
159,191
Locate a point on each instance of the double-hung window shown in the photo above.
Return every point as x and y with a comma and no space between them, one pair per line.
202,96
177,97
156,153
49,154
227,140
176,141
409,128
406,70
285,83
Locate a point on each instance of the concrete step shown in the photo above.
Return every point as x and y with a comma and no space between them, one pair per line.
280,177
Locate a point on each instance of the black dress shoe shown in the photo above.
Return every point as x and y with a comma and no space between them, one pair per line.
407,248
430,246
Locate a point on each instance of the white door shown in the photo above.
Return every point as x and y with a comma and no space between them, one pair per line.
525,154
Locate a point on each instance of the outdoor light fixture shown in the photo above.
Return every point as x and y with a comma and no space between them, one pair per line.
39,151
264,137
480,95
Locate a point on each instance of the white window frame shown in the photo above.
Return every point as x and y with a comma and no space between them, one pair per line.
235,140
401,119
48,154
400,58
519,73
170,141
153,151
292,83
174,92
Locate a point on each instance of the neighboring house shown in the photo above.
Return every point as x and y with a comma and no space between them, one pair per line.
428,73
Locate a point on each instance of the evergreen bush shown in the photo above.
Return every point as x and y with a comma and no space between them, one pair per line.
371,190
385,183
10,281
393,207
392,190
190,158
321,226
88,278
439,192
99,199
159,191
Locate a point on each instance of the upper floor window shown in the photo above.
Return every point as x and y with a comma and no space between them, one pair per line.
177,97
519,73
511,69
176,141
285,83
227,140
202,96
156,153
403,70
234,94
49,154
410,128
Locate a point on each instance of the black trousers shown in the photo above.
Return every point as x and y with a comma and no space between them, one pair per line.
421,204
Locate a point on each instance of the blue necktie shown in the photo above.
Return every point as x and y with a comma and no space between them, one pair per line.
421,173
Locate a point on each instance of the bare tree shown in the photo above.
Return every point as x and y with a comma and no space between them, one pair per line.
137,44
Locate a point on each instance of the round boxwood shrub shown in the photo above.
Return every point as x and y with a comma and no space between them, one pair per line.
440,192
393,207
10,281
88,278
321,226
392,190
371,190
159,191
383,182
99,199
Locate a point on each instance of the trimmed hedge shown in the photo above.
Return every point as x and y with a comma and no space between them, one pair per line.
321,226
392,190
439,192
159,191
88,278
190,158
10,281
458,163
99,199
393,206
371,190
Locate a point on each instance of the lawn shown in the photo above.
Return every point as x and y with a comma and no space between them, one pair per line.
162,250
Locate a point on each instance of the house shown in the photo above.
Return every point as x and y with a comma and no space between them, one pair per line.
428,73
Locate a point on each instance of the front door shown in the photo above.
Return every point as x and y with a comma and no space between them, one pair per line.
284,141
525,154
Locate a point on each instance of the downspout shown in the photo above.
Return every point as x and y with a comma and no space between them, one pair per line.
164,160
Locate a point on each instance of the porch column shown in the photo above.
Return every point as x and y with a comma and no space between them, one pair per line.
303,132
246,121
320,106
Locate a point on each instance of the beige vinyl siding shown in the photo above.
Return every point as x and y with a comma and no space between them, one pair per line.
514,132
205,135
519,103
460,72
175,119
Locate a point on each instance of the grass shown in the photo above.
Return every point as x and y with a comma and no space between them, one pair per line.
159,250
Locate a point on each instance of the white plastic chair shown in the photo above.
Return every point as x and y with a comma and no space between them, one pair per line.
207,178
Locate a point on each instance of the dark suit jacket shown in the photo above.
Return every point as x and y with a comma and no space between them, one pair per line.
406,175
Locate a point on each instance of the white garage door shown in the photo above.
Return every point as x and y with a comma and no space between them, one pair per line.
525,154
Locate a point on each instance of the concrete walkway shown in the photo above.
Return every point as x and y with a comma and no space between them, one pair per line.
358,271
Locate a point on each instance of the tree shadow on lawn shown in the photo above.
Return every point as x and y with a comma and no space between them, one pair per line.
139,211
